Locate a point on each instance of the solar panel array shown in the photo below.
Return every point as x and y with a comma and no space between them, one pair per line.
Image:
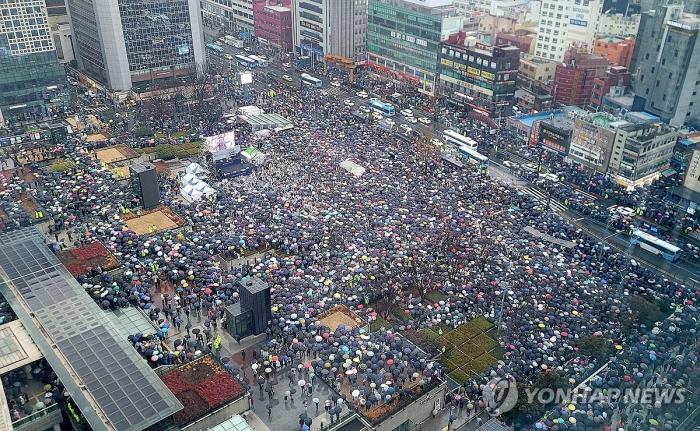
120,386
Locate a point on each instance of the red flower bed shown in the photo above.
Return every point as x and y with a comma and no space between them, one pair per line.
89,251
201,386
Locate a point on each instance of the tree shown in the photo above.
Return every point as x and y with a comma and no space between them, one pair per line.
598,348
644,312
427,154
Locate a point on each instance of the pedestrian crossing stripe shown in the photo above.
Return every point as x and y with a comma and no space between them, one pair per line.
542,197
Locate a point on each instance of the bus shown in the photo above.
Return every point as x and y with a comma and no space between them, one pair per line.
215,47
457,139
386,109
474,156
655,245
244,61
310,80
259,61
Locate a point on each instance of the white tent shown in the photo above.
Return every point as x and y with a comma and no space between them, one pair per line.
196,169
352,167
193,189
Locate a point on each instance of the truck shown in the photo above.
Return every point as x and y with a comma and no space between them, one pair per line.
232,41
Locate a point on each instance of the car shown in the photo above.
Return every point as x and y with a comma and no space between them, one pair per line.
377,116
424,120
407,113
405,128
324,93
349,103
411,120
228,57
389,121
362,94
437,142
246,49
508,164
365,109
286,65
287,78
335,83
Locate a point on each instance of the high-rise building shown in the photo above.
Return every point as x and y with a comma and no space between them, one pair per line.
232,17
403,37
480,78
121,43
565,23
32,82
330,27
615,83
273,25
666,65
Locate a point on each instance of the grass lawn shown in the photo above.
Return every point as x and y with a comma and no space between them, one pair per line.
435,296
380,323
470,349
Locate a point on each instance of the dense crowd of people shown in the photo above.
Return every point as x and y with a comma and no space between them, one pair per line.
410,224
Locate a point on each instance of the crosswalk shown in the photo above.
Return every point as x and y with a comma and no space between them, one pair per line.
336,92
542,197
99,109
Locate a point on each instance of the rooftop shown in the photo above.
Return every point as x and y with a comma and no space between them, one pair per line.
16,347
117,391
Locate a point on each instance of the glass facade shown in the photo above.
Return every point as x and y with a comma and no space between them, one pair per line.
158,36
405,37
32,81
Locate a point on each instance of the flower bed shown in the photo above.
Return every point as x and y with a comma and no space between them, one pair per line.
201,386
424,340
80,260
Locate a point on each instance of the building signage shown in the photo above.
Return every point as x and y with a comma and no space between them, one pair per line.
488,75
409,38
474,71
579,22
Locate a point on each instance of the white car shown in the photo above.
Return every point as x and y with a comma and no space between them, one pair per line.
424,120
407,113
389,121
286,65
287,78
436,142
349,103
411,120
362,94
377,116
406,129
335,83
365,109
228,57
623,211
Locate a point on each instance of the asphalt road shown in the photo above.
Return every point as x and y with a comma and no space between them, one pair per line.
681,271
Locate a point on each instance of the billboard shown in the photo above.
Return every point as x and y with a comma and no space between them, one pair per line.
223,142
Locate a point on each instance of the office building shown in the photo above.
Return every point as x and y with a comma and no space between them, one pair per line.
573,79
329,27
228,17
635,148
403,38
32,82
617,50
692,175
643,149
123,43
535,72
469,7
273,25
619,25
666,65
565,23
479,78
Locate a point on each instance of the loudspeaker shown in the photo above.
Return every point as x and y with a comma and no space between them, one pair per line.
255,296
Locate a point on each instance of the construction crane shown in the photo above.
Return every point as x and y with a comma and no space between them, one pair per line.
341,62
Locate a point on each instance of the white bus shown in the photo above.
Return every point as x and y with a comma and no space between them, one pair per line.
244,61
259,61
310,80
456,139
473,156
655,245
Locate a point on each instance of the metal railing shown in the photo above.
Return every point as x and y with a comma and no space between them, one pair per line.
34,416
